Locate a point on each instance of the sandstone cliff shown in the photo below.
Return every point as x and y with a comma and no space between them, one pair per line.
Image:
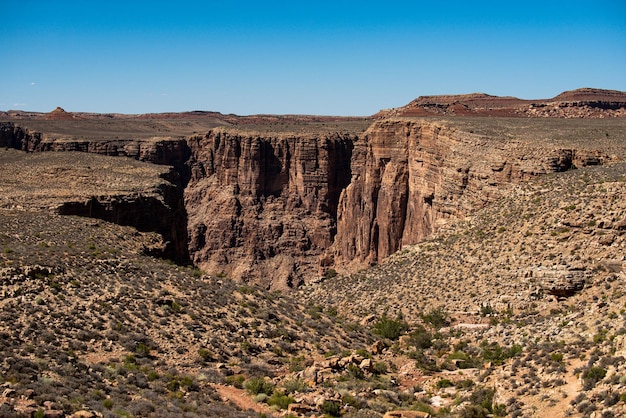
280,209
263,208
412,176
157,208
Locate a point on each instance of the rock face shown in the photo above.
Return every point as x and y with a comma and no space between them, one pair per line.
263,208
147,197
560,282
411,176
281,209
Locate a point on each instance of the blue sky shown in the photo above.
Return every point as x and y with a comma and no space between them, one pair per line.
323,57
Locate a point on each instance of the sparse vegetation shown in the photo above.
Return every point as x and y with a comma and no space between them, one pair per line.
92,321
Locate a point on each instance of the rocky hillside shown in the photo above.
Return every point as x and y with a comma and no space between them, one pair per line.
93,325
530,292
517,311
499,289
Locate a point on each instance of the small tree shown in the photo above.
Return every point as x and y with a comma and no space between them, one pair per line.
437,318
390,328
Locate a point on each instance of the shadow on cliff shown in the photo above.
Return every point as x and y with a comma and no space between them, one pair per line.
166,216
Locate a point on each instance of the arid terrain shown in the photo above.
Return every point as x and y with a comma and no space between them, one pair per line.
458,256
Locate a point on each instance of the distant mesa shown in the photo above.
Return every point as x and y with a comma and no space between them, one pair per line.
580,103
59,114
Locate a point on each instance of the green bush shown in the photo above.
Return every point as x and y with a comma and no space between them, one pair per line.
331,408
390,328
437,318
355,371
444,383
380,367
557,357
280,400
420,338
330,273
497,355
483,397
295,385
258,385
424,362
592,376
236,380
465,361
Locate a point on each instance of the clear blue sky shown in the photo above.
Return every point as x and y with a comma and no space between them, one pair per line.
321,57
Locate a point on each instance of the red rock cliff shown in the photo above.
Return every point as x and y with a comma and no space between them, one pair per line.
263,208
409,177
280,209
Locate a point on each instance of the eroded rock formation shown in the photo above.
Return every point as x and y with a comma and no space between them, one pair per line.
263,209
281,209
412,176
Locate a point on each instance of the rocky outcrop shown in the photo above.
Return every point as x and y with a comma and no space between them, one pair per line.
263,208
12,136
162,212
410,177
560,282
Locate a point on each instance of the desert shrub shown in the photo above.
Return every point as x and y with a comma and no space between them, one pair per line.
353,401
437,318
107,403
296,364
380,367
592,376
280,400
473,411
295,385
330,273
355,371
141,408
483,397
390,328
444,383
258,385
464,360
331,408
420,338
363,353
205,354
142,350
496,354
464,384
610,398
486,309
423,362
235,380
557,357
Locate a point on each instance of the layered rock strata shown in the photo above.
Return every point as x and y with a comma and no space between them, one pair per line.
98,193
283,209
412,176
263,208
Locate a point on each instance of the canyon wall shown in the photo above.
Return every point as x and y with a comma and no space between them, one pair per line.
280,210
411,177
263,208
161,210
